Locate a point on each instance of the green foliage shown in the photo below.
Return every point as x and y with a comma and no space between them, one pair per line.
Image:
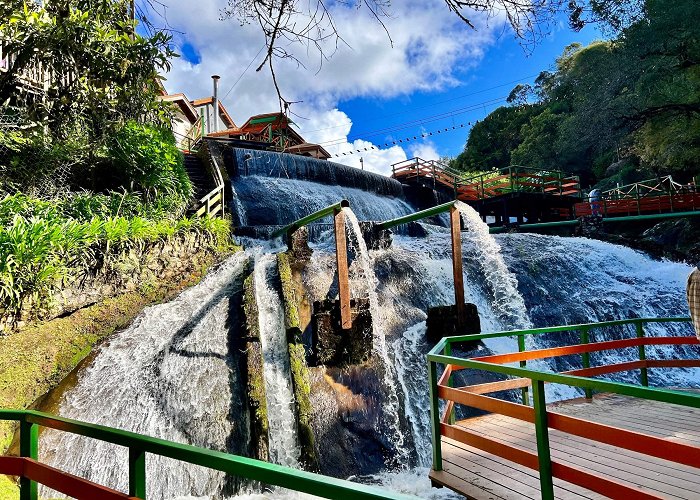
625,109
147,157
101,72
42,242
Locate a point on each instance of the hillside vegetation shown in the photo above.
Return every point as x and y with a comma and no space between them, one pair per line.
616,111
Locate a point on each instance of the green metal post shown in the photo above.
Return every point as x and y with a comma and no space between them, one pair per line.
28,447
448,352
586,360
510,173
439,209
320,214
542,435
642,354
523,364
435,416
137,473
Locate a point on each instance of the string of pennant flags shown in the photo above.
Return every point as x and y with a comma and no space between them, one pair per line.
396,142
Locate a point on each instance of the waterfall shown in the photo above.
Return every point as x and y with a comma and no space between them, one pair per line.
272,200
248,162
392,408
172,375
284,446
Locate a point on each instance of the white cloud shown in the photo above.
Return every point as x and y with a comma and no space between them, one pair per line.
327,126
425,150
429,43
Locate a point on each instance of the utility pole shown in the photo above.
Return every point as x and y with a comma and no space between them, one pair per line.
362,163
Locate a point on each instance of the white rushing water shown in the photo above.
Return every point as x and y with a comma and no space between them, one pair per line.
284,445
173,373
392,405
169,375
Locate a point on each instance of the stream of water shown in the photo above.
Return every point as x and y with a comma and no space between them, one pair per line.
174,373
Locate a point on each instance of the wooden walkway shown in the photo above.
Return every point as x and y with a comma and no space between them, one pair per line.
480,475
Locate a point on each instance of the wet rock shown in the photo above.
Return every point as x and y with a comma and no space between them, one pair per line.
442,322
298,244
348,420
376,239
335,346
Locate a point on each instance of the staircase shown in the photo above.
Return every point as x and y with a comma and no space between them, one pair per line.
202,181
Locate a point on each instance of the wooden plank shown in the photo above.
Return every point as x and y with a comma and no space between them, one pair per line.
487,479
341,256
455,483
455,227
511,475
564,453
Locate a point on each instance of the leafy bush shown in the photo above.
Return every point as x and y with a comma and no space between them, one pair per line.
147,158
42,242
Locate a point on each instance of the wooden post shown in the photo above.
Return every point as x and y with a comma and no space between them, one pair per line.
341,257
455,223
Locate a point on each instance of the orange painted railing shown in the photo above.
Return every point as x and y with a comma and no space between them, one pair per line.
480,396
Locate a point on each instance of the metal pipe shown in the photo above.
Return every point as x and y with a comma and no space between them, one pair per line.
629,218
537,225
320,214
439,209
215,79
565,223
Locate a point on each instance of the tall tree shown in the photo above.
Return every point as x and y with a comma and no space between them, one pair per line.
99,72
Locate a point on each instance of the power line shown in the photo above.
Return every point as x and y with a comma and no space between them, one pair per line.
423,106
244,72
421,121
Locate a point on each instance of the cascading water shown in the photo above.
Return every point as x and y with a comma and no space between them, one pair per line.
358,245
172,374
274,201
284,446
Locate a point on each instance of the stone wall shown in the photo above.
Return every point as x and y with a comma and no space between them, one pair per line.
116,270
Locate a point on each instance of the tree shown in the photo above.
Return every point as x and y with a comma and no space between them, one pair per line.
100,72
628,107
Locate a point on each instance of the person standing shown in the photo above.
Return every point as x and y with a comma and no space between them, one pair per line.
693,293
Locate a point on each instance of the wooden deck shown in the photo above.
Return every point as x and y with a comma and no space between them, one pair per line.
480,475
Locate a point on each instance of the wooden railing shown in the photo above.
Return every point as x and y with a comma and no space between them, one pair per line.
487,185
212,203
34,76
651,196
481,396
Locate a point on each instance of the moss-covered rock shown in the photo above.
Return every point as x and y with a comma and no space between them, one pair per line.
36,358
291,307
252,369
297,362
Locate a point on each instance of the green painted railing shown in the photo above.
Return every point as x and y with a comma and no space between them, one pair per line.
429,212
320,214
441,355
139,445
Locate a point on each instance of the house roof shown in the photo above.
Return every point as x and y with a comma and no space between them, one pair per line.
306,146
183,103
222,110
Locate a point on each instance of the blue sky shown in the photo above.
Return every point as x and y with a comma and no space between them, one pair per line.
438,74
482,89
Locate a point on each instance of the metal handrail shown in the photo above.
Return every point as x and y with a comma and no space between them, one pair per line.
139,445
320,214
539,415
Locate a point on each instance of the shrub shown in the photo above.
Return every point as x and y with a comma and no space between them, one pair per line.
148,160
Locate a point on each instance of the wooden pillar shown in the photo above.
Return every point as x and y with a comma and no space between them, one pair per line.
341,258
455,225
